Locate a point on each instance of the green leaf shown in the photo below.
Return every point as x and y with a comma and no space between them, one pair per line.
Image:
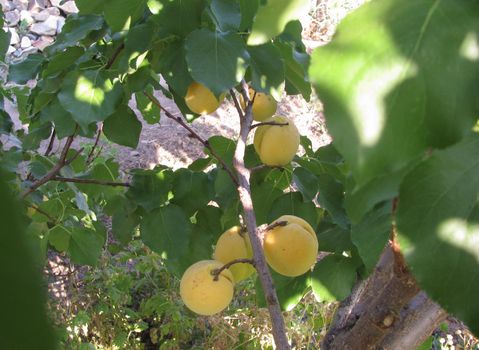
273,17
263,195
88,6
333,278
372,233
123,225
167,231
148,110
292,204
62,60
122,127
171,63
22,295
122,14
267,69
26,70
248,12
59,237
37,132
89,96
76,29
4,39
225,189
289,290
180,17
296,70
191,190
306,182
6,123
227,14
359,201
150,188
386,92
86,246
217,60
223,147
437,221
63,121
334,239
331,198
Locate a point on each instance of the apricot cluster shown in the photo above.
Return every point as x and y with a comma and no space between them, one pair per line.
207,287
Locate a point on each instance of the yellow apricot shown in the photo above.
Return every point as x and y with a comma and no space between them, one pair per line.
235,244
201,293
264,105
201,100
276,145
292,249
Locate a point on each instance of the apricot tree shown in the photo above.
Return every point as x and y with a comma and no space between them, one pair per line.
393,201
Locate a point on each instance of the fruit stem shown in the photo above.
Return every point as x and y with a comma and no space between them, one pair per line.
216,272
267,123
275,224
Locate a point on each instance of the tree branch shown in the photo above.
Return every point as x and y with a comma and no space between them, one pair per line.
216,272
114,56
90,181
50,143
264,166
268,123
36,208
244,190
56,169
90,157
194,134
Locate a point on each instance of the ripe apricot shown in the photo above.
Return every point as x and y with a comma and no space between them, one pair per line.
201,293
292,249
276,145
264,105
201,100
235,244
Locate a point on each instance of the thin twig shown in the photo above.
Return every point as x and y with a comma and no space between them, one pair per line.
50,144
216,272
114,56
36,208
90,181
244,190
264,166
268,123
193,133
275,224
56,169
90,157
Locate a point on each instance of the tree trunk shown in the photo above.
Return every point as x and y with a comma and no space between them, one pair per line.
386,311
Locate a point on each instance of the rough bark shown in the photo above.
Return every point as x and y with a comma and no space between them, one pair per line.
386,311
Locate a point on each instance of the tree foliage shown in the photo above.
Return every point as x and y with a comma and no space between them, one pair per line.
399,84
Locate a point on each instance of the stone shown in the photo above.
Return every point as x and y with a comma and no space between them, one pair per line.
12,18
25,43
7,5
54,11
43,42
14,37
11,50
69,7
37,5
21,4
26,16
60,24
134,154
41,16
48,27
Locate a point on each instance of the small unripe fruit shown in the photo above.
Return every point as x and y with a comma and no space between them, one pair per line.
264,105
201,293
292,249
235,244
201,100
276,145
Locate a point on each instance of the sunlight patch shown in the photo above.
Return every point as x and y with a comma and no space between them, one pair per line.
461,234
370,95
